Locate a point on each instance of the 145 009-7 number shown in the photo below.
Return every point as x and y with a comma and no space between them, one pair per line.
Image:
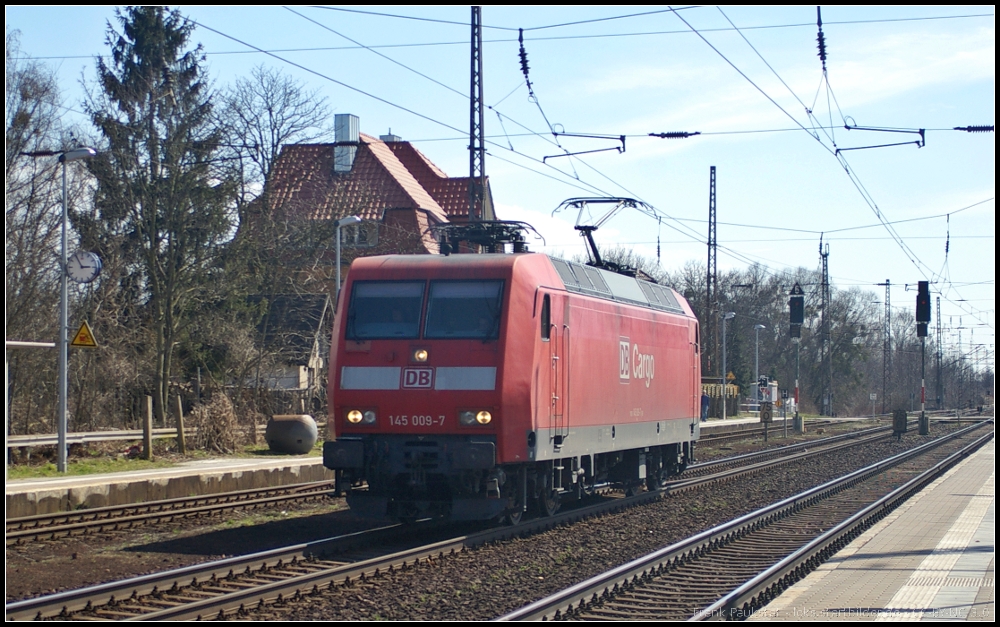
416,421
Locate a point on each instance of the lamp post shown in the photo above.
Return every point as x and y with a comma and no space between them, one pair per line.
756,362
340,223
729,316
63,385
65,158
63,344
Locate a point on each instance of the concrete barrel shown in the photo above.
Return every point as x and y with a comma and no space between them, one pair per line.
295,433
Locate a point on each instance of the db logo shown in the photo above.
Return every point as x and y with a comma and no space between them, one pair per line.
624,368
417,377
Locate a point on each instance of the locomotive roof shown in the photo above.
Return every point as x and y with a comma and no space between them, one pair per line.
576,277
591,281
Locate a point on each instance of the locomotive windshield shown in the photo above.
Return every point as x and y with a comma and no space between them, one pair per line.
384,310
464,309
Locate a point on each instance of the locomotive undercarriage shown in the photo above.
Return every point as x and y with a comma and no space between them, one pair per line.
629,470
407,478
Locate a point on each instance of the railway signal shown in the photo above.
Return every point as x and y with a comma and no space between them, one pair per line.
923,317
796,310
923,308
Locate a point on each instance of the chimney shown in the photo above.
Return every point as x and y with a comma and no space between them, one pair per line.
346,133
390,137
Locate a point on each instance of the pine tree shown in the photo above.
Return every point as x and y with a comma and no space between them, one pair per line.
162,208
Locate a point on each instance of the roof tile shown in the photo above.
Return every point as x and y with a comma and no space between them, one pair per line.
304,185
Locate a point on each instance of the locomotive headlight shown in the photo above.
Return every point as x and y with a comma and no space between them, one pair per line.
368,418
354,416
420,355
470,418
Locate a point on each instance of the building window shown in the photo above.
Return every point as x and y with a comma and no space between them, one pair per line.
363,235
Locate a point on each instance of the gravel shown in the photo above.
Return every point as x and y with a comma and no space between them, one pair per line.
477,584
490,581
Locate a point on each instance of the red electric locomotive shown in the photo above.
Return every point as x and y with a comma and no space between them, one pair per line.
472,386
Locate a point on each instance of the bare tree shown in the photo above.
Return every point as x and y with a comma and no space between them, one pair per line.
32,194
262,113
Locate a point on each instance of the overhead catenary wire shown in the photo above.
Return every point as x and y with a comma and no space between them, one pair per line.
452,128
509,146
578,187
525,71
383,100
852,175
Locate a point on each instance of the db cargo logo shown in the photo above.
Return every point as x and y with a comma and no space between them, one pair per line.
418,377
633,363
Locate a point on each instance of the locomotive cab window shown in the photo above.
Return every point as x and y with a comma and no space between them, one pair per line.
385,310
464,309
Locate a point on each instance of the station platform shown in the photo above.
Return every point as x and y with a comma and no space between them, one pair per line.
29,497
932,559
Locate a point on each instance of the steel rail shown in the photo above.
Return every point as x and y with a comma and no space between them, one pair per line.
864,435
607,584
171,586
63,603
782,450
767,585
693,482
117,516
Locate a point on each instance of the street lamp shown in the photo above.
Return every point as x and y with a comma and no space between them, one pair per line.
65,158
340,223
63,385
729,316
756,362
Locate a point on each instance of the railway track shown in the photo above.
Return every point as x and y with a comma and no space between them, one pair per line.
743,432
734,568
118,517
123,517
825,444
237,584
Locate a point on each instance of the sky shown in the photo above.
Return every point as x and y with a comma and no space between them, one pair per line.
748,79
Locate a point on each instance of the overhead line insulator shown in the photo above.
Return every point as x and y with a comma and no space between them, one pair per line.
975,129
820,39
675,135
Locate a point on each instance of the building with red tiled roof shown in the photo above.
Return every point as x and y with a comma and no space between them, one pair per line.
396,190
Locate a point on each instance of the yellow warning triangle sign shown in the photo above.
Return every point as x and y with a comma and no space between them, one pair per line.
84,338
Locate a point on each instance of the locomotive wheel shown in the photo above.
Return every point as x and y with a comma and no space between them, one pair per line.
512,517
657,479
515,510
548,502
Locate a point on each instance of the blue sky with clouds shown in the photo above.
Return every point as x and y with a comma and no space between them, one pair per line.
744,77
